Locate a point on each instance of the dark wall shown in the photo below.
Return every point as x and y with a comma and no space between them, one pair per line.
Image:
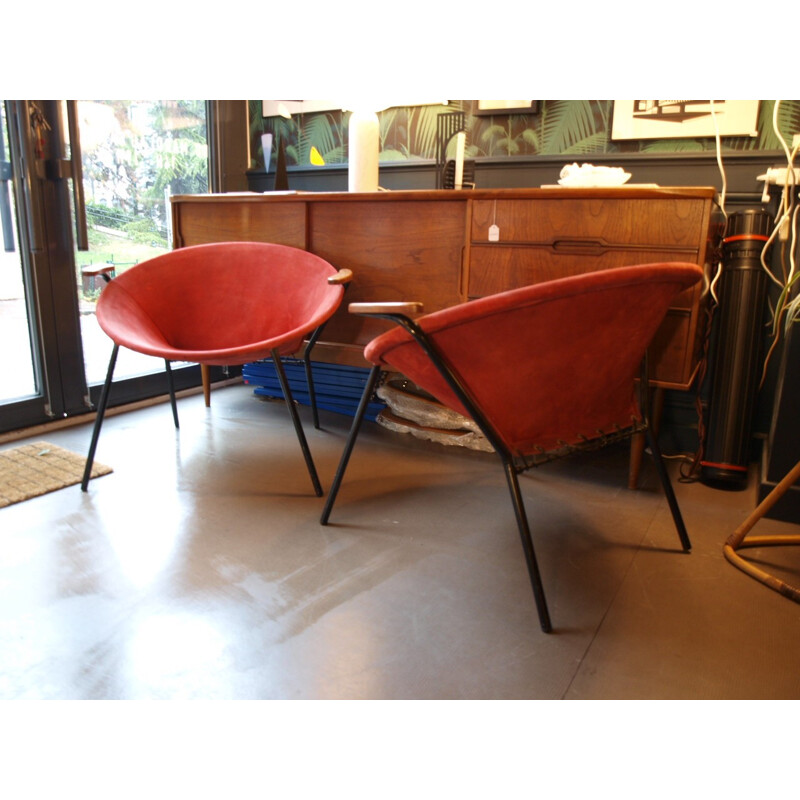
688,169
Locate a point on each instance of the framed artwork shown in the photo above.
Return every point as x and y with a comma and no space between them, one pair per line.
676,119
282,108
507,107
292,108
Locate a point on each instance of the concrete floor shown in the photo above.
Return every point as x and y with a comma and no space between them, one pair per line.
198,570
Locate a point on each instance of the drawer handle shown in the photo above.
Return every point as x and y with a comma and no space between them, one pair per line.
589,246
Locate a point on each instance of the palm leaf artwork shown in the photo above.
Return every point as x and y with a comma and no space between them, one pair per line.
410,133
572,127
499,137
255,127
309,130
788,121
672,146
562,127
323,131
393,134
488,137
594,143
284,134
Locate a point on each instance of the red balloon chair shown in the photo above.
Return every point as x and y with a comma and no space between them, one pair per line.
221,304
544,371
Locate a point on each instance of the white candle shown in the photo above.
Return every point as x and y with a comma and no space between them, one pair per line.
362,157
461,138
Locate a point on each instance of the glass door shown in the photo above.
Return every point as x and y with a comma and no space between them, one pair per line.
85,192
135,155
41,359
17,376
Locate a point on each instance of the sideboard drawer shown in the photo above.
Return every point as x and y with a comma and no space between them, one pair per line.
674,352
225,221
496,268
674,222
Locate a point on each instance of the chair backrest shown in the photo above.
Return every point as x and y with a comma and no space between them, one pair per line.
547,364
219,296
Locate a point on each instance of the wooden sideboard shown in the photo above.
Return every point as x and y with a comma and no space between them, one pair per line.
446,247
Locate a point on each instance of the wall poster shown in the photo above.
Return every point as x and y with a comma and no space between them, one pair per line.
673,119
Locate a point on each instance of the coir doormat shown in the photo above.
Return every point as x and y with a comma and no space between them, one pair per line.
36,469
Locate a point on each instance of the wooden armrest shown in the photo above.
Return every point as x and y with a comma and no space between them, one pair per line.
410,309
341,277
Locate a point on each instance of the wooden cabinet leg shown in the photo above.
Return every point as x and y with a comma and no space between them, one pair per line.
206,375
635,464
638,441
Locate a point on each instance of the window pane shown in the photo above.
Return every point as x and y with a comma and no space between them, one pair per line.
135,155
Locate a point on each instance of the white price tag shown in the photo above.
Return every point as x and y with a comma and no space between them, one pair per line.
494,234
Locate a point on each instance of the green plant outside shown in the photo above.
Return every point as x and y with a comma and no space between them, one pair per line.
132,168
118,249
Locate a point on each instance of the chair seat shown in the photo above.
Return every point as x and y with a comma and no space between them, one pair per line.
141,335
542,370
219,304
548,364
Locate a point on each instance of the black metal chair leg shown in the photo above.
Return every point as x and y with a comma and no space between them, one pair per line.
98,421
298,426
351,440
171,385
527,546
311,393
668,490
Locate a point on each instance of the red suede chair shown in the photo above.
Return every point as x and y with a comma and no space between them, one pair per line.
221,304
544,370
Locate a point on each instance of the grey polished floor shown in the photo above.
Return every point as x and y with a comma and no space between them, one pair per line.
198,569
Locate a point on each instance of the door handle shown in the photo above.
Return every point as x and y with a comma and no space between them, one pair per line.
5,196
21,142
5,207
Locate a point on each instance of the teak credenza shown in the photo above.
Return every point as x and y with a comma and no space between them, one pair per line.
445,247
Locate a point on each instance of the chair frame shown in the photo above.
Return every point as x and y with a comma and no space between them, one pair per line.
740,539
400,313
342,277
